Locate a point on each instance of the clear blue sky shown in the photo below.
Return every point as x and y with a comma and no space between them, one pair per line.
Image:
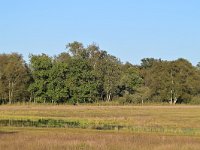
128,29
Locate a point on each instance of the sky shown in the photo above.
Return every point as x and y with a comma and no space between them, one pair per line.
128,29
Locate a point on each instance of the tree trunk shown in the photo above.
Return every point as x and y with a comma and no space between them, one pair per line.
175,100
171,99
12,91
109,96
9,93
172,81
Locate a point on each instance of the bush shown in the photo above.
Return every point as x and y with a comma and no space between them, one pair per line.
195,100
2,101
131,98
122,100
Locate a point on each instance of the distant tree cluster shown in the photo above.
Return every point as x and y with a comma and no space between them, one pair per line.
91,75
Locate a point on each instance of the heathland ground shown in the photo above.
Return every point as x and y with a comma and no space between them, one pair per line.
99,127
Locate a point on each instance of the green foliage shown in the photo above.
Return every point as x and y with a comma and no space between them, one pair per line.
57,90
89,74
172,81
111,76
130,79
81,81
41,66
195,100
14,76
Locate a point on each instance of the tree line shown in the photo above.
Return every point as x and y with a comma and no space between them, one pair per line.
91,75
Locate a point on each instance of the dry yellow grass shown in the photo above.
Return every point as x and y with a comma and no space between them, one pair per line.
178,117
74,139
171,116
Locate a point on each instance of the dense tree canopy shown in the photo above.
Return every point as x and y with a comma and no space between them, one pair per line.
89,74
14,78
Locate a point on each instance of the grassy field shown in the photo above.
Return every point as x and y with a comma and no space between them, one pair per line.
100,127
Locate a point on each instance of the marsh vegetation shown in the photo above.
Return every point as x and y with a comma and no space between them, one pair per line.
99,127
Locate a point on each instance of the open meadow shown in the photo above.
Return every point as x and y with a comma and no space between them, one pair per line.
99,127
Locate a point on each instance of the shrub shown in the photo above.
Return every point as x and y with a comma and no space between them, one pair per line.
195,100
131,98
